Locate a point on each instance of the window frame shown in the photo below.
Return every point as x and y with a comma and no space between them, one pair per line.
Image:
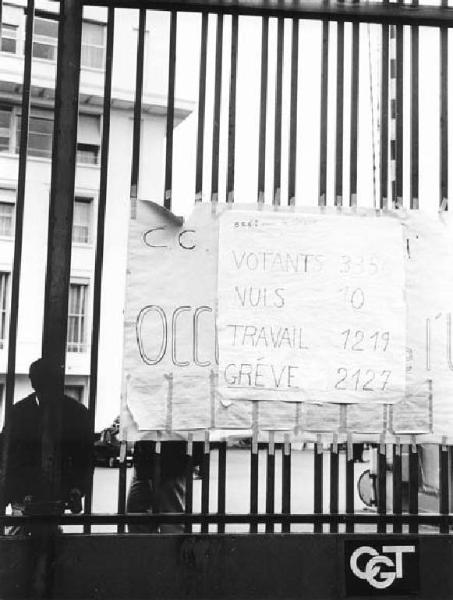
4,306
84,199
4,200
16,38
103,28
45,40
79,346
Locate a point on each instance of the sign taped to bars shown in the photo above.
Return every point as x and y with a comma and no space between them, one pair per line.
311,307
199,299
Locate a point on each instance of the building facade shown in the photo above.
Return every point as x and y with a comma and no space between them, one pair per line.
37,193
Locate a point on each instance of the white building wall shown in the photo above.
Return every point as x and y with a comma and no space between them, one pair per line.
31,305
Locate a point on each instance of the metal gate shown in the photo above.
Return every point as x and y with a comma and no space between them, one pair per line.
345,35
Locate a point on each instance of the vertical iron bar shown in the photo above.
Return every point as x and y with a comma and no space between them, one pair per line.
399,113
349,485
334,484
99,258
254,481
270,481
217,106
278,113
354,114
384,115
232,110
205,473
138,107
286,482
413,485
170,110
221,489
189,483
59,243
201,108
322,200
444,486
18,237
397,478
263,109
293,114
156,479
381,485
339,117
318,499
414,168
122,478
443,200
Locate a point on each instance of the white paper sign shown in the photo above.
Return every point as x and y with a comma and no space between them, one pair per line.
311,307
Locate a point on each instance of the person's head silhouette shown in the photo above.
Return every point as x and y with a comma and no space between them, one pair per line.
44,375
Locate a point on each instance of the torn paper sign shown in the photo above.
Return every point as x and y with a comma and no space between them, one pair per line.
170,353
429,295
311,307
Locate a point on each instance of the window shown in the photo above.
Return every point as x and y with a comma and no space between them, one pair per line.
4,284
9,38
5,129
45,39
7,207
88,139
81,226
40,133
93,44
75,391
77,317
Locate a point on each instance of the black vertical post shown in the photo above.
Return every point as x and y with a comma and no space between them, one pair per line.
443,200
443,486
413,484
263,108
397,479
135,166
286,482
232,110
384,115
381,485
170,110
414,107
254,481
354,114
201,108
339,117
270,481
217,106
322,200
98,262
221,485
318,484
349,485
293,114
399,114
334,483
60,220
189,482
278,113
205,474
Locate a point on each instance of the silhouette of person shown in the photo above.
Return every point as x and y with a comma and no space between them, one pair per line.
23,478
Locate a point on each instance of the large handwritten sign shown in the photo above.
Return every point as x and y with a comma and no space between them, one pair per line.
311,307
292,321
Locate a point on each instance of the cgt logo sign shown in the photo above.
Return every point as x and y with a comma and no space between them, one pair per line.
377,568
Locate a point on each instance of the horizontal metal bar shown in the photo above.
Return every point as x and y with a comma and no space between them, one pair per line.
109,519
369,12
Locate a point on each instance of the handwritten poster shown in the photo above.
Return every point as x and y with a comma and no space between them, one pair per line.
311,308
292,321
